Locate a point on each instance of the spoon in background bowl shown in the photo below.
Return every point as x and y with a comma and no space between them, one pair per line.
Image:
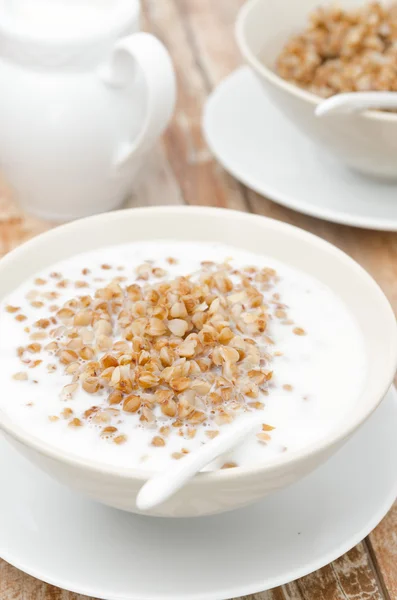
162,486
353,102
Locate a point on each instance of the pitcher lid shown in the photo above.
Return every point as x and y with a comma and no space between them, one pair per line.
60,22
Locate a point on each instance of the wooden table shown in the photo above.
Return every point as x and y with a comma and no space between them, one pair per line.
199,34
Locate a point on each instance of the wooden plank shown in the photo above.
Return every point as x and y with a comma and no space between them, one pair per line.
156,184
200,178
15,226
382,544
276,594
211,26
15,585
349,577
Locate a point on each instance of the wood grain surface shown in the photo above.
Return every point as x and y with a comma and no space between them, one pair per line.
199,35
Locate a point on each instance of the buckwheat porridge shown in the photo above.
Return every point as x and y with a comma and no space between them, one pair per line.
344,51
135,355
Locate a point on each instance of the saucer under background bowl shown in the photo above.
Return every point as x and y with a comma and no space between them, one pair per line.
93,550
259,146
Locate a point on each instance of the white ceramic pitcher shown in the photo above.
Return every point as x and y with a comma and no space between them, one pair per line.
80,106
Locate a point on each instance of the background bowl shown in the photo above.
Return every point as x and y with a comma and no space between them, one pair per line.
230,488
366,142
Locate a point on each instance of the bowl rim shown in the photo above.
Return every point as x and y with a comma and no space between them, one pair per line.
271,76
338,435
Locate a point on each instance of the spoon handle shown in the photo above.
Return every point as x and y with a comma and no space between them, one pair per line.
160,487
356,102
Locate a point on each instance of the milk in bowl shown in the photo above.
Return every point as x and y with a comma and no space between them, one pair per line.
135,355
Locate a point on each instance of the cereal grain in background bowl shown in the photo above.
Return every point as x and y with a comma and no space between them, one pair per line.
267,33
113,482
342,51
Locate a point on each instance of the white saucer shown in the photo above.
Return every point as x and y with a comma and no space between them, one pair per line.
260,147
87,548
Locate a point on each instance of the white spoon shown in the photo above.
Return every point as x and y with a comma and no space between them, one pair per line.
356,102
163,485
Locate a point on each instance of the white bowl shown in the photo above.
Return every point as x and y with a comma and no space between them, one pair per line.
227,489
366,142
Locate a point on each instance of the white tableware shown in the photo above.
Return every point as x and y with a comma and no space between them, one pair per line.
79,109
366,142
162,486
268,154
226,489
73,543
356,102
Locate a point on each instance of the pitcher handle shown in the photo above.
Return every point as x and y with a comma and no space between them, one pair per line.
145,52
